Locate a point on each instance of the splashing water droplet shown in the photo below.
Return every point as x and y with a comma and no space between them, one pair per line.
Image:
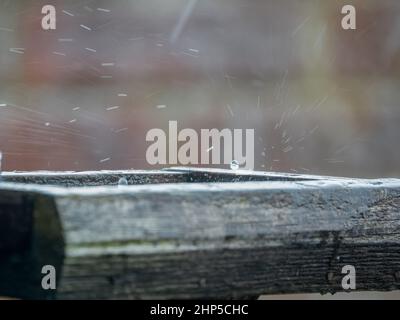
234,165
122,182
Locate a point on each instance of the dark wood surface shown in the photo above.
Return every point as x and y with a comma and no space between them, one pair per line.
184,237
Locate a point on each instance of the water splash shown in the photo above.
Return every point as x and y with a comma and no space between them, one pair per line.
234,165
123,182
183,19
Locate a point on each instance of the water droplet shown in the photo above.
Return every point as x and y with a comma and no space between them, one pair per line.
122,182
234,165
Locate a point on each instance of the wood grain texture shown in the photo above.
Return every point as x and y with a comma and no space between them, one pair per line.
270,233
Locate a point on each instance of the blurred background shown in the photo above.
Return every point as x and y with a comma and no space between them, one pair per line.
321,99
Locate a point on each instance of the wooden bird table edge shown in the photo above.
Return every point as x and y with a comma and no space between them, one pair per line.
174,234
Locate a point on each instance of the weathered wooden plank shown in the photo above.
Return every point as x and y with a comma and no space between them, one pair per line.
283,234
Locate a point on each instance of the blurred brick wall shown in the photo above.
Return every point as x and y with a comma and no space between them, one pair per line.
321,99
